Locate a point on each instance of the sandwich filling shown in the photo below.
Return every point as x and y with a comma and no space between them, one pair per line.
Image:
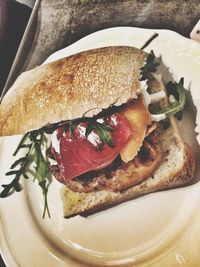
85,163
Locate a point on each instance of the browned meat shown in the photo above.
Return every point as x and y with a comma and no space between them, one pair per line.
118,176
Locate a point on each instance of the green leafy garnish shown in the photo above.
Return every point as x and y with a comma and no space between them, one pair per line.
72,126
34,155
150,67
103,130
150,40
175,107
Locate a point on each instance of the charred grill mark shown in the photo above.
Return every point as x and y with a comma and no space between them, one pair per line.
118,176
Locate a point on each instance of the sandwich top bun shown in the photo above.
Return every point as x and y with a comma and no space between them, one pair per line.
71,87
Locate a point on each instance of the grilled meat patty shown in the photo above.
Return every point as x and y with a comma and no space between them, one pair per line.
118,176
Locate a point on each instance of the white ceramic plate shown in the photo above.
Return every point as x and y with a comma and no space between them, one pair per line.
154,230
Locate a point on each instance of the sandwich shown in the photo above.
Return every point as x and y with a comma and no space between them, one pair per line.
109,124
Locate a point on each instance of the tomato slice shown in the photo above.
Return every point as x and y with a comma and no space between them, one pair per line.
80,154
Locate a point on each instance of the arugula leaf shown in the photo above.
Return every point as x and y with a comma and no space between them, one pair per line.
15,185
176,107
90,128
150,40
104,133
34,155
103,130
17,162
150,66
72,126
21,144
41,167
41,175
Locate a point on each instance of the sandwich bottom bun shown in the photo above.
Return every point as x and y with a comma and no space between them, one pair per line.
176,169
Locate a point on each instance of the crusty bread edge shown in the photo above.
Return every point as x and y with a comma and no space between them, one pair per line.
72,87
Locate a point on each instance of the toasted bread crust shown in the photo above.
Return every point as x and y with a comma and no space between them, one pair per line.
68,88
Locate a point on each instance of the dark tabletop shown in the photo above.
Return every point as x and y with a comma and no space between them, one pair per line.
13,20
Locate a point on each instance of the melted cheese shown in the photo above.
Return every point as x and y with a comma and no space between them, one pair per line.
139,117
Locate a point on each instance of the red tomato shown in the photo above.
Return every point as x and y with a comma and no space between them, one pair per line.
79,154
